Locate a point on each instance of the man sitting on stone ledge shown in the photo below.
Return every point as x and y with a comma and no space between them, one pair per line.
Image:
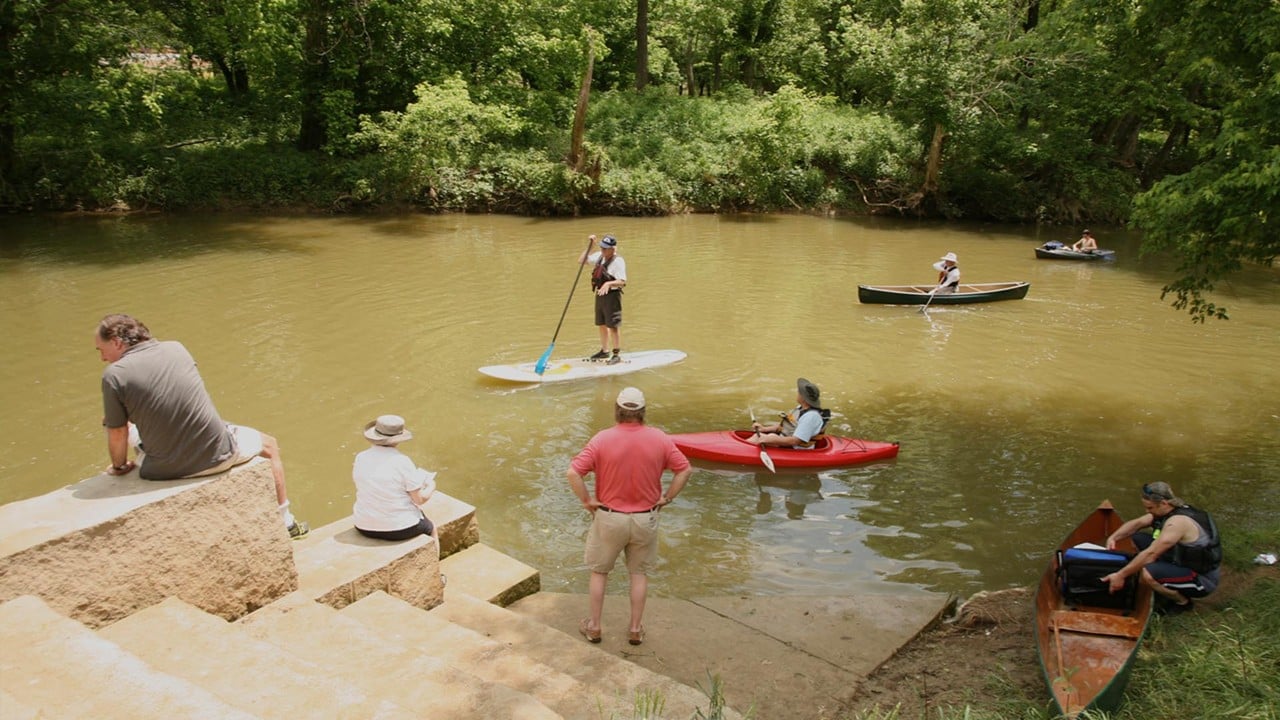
154,399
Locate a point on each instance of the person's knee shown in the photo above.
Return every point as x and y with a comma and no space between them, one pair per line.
270,448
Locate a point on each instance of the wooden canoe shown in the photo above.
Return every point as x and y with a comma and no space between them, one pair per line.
1066,253
1086,652
919,294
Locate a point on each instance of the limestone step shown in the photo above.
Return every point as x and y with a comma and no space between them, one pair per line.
11,708
454,519
630,684
337,566
64,670
384,662
482,572
245,672
485,658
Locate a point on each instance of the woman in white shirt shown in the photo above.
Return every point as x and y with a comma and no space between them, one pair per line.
390,488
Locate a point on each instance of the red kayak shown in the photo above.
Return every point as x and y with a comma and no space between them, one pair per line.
731,446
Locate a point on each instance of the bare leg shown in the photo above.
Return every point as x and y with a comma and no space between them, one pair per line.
604,337
615,335
1174,595
271,451
598,583
639,589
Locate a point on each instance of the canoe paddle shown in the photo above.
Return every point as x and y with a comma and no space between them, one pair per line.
926,303
764,456
541,365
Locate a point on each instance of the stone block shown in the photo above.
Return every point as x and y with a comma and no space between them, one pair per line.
101,549
337,566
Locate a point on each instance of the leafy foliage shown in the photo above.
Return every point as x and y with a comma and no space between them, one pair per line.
1161,112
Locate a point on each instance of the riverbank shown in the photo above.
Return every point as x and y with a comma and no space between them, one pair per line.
983,665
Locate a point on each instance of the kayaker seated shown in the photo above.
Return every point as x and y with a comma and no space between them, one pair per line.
1086,243
800,428
1179,559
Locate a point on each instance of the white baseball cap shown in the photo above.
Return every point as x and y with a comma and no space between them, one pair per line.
631,398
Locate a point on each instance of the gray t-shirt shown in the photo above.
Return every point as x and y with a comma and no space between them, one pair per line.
155,385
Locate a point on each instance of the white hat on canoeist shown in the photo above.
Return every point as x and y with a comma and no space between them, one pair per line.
949,257
387,430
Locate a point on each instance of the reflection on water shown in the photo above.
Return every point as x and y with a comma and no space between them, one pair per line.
1015,418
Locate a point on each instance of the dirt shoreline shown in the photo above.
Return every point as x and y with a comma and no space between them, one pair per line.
986,654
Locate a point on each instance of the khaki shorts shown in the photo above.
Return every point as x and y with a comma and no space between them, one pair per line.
246,444
614,533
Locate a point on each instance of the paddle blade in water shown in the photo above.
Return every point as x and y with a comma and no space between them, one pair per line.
541,366
768,461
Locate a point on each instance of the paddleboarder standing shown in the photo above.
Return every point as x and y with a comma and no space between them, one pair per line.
608,277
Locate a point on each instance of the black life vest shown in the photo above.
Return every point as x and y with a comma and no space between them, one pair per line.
600,273
945,273
789,423
1199,558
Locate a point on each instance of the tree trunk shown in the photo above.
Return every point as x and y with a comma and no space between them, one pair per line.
689,68
1126,140
933,165
1177,136
1033,16
313,130
8,87
642,44
234,74
576,158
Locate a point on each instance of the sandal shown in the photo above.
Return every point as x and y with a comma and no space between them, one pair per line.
635,637
584,627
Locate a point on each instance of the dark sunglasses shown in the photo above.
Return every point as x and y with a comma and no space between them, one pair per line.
1151,494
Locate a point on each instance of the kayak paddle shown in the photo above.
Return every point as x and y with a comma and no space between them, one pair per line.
764,456
541,365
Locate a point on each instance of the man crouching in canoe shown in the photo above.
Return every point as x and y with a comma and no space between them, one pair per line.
1179,559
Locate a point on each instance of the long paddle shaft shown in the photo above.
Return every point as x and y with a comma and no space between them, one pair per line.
926,302
541,366
764,456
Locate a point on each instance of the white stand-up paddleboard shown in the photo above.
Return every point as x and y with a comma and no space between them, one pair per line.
579,368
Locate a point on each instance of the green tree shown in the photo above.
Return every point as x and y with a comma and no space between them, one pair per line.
1223,211
42,44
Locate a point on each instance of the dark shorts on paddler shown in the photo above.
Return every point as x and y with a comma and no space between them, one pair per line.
1187,582
609,309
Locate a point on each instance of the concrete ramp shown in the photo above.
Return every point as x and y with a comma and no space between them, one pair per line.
787,656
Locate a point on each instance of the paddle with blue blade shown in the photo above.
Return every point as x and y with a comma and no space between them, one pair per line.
541,365
764,456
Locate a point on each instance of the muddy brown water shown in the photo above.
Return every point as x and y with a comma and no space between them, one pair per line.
1015,418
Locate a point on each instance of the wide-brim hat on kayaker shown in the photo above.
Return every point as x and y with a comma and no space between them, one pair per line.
387,430
809,392
949,257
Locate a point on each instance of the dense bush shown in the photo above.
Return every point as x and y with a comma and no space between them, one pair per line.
169,139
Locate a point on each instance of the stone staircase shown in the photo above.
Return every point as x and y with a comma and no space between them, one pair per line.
370,631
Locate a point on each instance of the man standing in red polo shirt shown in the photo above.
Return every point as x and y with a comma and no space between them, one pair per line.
628,460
